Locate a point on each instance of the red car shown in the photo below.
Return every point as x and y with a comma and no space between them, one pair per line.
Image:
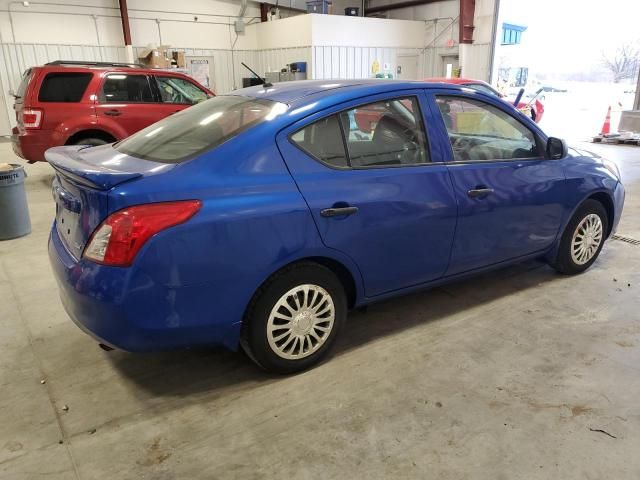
92,103
535,109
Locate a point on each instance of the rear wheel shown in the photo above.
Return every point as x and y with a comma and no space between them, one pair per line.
582,239
294,318
91,141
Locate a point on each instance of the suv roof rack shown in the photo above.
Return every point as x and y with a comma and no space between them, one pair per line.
97,64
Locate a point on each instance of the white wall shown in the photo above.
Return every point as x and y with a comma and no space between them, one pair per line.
50,22
442,24
334,46
285,33
366,32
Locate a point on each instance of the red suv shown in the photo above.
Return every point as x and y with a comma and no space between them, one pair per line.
80,103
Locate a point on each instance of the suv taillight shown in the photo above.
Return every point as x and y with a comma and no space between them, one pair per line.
118,239
31,118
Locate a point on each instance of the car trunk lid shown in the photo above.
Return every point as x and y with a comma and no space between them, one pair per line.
84,178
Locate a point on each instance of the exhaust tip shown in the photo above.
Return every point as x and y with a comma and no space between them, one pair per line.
104,347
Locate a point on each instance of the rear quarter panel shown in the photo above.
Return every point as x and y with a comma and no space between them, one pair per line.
253,221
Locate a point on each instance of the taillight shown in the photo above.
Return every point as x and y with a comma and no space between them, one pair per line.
118,239
31,118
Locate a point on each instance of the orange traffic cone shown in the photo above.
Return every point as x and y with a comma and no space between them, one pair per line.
606,126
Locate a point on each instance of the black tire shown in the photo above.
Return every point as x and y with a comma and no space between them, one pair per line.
91,141
254,337
564,262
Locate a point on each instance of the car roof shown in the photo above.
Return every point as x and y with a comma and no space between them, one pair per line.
104,68
455,81
299,91
308,97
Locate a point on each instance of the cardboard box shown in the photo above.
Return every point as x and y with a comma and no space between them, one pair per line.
179,59
155,57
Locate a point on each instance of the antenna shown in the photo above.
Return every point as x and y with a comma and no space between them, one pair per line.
264,80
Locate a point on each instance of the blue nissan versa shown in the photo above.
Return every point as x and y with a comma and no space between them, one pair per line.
260,217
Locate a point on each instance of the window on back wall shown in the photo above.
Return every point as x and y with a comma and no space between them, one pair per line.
512,34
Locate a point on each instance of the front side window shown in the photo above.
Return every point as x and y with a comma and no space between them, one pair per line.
479,131
199,128
124,88
483,88
375,135
64,87
178,90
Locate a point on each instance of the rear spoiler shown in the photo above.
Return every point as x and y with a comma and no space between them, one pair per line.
68,162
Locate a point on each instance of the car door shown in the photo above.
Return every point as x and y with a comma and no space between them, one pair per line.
510,198
374,192
127,99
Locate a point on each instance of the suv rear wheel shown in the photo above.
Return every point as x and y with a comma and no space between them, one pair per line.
91,141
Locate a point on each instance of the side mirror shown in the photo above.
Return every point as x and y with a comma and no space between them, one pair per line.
556,148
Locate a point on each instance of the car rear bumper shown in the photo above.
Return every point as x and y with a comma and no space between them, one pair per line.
109,304
30,145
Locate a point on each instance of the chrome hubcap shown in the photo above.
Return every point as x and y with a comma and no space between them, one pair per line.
586,239
300,322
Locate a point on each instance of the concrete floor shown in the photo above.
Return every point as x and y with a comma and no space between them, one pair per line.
513,375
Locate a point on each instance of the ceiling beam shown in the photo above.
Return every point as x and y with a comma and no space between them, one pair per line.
467,12
124,16
397,5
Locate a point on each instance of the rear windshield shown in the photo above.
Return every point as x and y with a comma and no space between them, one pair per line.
64,87
199,128
22,88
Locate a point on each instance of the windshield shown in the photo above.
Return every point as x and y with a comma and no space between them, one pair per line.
482,88
199,128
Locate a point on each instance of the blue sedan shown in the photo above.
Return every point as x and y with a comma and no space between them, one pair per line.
259,218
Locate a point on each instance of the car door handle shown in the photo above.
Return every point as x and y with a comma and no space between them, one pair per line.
480,192
337,212
113,113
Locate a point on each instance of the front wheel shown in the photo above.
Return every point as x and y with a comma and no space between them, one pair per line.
582,239
294,319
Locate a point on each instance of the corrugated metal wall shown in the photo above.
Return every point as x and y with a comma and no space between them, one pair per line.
227,64
330,62
323,62
16,58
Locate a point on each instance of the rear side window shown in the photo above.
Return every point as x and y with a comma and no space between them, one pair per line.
200,128
380,134
323,140
64,87
385,133
123,88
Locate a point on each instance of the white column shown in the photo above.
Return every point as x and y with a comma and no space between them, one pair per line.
129,53
636,103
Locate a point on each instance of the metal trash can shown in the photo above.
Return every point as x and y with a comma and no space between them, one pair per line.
14,211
